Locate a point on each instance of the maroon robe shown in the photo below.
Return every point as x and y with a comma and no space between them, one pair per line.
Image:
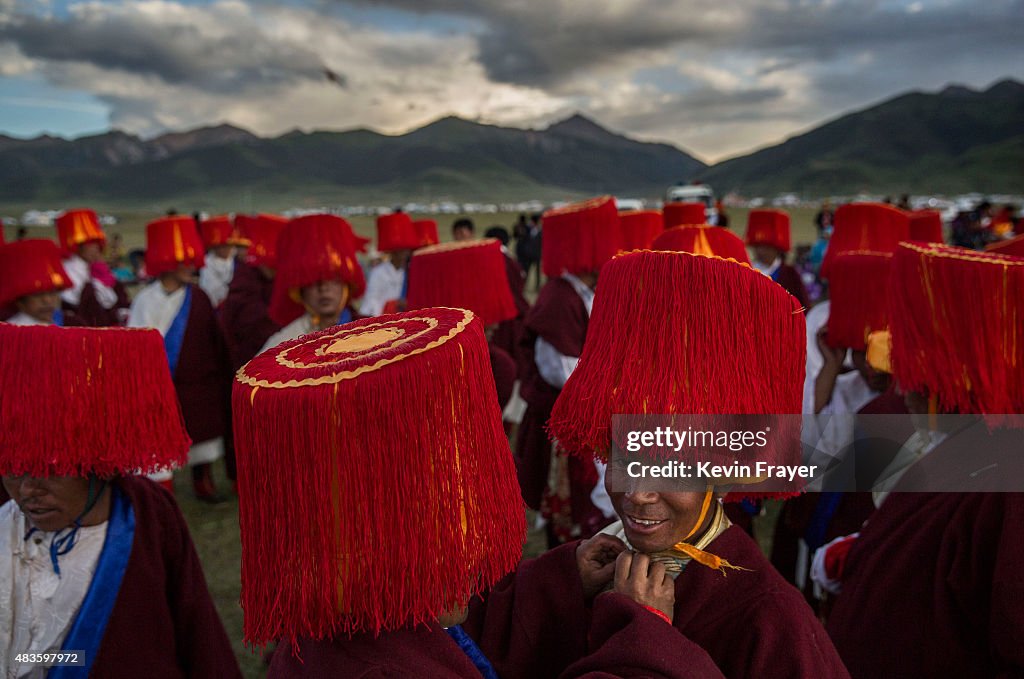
164,624
872,456
509,334
789,278
560,317
90,313
933,585
203,376
243,313
751,623
504,369
618,628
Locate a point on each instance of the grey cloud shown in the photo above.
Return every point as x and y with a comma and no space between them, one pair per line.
177,53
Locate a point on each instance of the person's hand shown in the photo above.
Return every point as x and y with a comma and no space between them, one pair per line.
645,582
834,356
595,560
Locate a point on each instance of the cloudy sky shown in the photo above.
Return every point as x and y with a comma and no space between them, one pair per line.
714,77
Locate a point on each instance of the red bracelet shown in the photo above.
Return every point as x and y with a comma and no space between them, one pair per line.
658,613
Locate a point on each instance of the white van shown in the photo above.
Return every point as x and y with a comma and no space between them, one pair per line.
694,193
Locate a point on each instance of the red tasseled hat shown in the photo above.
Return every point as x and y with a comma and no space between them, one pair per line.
396,231
875,227
1013,246
427,231
677,333
262,232
680,214
80,401
703,240
640,228
310,249
769,227
171,242
957,319
376,488
220,231
77,227
464,274
29,267
580,237
926,226
859,289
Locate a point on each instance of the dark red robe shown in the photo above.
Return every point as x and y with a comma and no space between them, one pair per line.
789,278
560,317
509,334
504,369
164,624
247,326
751,623
90,313
203,376
933,585
618,627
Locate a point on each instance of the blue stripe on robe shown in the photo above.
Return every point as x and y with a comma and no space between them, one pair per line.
345,317
473,651
58,318
91,622
176,333
817,527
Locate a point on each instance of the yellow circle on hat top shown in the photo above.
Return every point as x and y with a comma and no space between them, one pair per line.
347,351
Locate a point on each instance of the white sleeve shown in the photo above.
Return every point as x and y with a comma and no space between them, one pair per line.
599,496
104,295
376,290
554,367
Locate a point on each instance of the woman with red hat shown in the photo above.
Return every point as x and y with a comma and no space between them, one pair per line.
95,298
245,313
221,241
317,278
578,240
196,351
397,237
96,561
768,234
31,280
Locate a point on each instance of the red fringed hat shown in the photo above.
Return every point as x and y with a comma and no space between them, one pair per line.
262,232
29,267
1013,246
875,227
81,401
396,231
376,488
171,242
769,227
310,249
220,231
926,226
680,214
859,289
958,327
640,228
703,240
580,237
77,227
427,231
677,333
464,274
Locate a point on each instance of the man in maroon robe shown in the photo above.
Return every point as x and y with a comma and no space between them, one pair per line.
244,313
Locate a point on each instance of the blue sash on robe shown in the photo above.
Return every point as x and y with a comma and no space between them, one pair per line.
58,318
775,274
345,317
405,282
176,333
470,648
817,527
91,622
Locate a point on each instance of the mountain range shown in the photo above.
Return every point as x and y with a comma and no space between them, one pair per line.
954,141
